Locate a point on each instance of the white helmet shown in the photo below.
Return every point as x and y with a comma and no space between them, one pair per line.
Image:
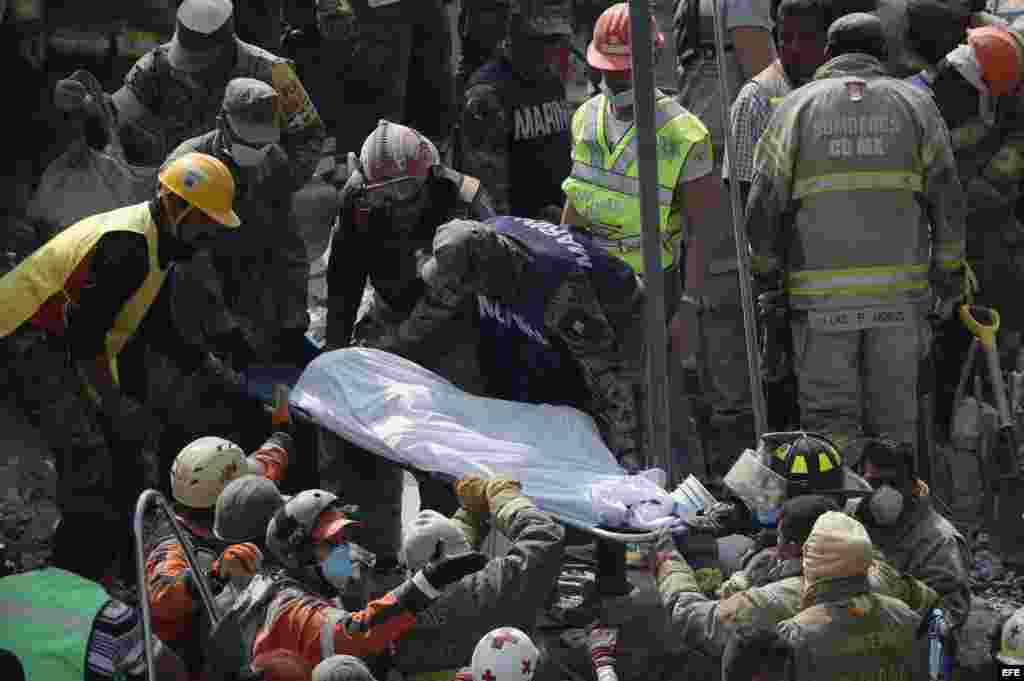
430,536
505,654
204,468
1011,644
394,152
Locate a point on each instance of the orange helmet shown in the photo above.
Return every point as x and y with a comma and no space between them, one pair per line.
999,56
612,46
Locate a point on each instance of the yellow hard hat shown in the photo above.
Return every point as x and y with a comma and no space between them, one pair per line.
204,182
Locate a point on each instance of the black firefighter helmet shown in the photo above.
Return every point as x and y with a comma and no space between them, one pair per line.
809,462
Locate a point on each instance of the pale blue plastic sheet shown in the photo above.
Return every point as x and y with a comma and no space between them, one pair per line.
405,413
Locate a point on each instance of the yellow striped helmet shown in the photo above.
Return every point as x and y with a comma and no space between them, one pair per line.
810,462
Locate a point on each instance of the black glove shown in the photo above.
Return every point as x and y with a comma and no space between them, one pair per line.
234,345
446,571
723,519
416,594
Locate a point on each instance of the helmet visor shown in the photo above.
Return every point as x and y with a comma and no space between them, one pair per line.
762,489
400,190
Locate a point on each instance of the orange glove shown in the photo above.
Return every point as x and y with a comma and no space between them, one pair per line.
281,418
241,561
472,493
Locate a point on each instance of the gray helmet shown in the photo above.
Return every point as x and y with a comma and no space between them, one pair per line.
244,509
290,532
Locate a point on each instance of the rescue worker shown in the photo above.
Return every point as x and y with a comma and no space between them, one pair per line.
373,60
256,283
603,190
785,465
199,474
393,202
291,607
73,305
515,117
510,590
178,86
747,25
802,29
827,176
842,624
915,538
542,293
706,623
61,624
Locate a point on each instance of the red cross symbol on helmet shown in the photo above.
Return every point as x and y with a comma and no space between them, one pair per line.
501,638
489,676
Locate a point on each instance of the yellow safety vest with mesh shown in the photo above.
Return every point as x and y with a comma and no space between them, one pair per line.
43,274
859,234
604,186
46,618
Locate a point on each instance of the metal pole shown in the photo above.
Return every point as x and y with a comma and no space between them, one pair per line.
647,154
205,595
742,250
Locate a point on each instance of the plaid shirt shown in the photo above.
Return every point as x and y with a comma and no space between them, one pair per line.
748,116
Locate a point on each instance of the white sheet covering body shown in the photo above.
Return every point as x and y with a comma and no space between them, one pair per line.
403,412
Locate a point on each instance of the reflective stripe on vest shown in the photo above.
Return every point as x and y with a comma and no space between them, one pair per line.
815,288
949,255
44,274
46,619
849,182
604,186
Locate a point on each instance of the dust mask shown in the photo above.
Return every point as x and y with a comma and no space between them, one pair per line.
337,567
249,157
885,506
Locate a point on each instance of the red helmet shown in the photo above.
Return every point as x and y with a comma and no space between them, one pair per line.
612,46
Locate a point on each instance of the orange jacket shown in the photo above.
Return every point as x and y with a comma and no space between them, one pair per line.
297,627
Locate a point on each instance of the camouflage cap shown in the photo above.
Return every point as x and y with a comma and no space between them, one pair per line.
252,110
450,257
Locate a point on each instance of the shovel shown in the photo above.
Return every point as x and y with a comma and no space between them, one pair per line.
983,323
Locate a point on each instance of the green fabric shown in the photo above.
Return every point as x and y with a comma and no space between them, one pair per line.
46,619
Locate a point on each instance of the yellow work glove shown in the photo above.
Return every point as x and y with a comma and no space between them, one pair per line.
472,493
500,490
239,561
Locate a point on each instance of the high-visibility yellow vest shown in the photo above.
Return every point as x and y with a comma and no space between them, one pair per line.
45,273
604,186
46,619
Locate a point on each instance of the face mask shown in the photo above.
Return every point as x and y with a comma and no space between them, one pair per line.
337,568
249,157
885,506
619,100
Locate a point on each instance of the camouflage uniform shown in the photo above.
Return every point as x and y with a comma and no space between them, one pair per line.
386,59
256,278
706,624
493,263
928,547
182,105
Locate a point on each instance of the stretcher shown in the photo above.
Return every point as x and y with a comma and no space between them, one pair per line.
396,409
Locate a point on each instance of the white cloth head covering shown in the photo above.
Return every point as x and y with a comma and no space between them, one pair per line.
837,547
965,61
